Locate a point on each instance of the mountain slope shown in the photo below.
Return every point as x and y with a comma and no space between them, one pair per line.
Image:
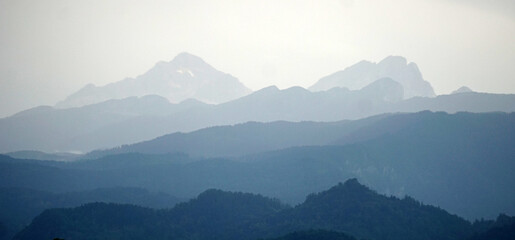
352,207
243,139
186,76
502,228
60,130
363,73
214,214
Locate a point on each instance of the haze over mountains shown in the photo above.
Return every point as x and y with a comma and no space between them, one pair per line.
183,128
186,76
449,160
374,89
363,73
118,122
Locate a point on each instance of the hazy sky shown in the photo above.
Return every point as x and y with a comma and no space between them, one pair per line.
51,48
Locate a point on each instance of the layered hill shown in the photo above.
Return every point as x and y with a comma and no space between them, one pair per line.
244,139
60,130
117,122
447,160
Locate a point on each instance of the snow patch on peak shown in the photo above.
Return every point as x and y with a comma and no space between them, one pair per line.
183,70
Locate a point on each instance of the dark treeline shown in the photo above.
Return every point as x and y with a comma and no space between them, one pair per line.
18,206
349,208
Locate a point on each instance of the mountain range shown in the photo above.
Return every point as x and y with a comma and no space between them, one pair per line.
189,77
447,160
166,100
105,161
126,121
185,77
363,73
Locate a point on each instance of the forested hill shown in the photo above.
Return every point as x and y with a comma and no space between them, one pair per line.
350,207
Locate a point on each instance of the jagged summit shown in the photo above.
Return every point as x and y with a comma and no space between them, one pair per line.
363,73
186,76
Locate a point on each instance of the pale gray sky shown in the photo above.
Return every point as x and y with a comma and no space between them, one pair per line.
51,48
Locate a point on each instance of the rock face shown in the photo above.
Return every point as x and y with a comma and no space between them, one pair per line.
363,73
186,76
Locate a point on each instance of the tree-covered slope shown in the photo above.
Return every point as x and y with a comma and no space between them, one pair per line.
350,208
18,206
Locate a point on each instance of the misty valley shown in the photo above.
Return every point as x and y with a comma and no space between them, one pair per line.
185,151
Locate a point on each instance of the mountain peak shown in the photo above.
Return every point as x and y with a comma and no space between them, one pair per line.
363,73
349,191
351,185
463,89
185,76
187,58
394,60
269,89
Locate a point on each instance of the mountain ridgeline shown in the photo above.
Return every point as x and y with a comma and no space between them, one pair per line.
350,208
117,122
119,161
363,73
187,94
446,160
185,77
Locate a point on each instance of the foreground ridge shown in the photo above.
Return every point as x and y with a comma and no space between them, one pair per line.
348,207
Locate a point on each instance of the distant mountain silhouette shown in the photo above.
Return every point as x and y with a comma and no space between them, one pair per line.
363,73
116,122
297,104
60,130
38,155
186,76
244,139
350,207
448,160
463,89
